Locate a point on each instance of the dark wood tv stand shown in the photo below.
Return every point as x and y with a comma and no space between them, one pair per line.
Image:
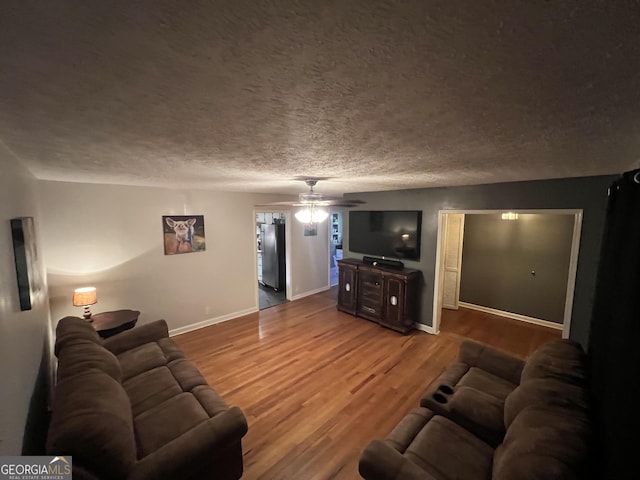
383,295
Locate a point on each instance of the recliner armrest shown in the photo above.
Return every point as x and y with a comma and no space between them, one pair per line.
447,380
380,461
491,360
149,332
195,446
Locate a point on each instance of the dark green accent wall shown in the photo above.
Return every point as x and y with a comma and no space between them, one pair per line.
519,266
586,193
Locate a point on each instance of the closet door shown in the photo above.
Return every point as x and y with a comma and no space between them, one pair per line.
454,232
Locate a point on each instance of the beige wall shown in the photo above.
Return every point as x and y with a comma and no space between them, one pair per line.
22,334
111,237
309,259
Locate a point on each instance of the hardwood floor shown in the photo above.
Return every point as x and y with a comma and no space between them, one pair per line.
317,385
513,336
268,297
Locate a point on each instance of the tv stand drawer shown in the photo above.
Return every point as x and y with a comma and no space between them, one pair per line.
372,311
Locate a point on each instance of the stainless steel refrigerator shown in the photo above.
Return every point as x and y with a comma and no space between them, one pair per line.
273,256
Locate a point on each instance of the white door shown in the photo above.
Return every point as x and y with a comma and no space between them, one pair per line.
454,231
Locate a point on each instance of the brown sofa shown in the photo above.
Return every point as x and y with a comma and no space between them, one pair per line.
493,416
132,407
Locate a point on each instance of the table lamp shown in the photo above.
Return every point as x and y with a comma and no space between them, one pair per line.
83,297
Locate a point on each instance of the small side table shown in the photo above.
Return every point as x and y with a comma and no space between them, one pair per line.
108,324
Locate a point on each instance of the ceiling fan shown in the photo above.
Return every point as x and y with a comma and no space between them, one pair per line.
312,203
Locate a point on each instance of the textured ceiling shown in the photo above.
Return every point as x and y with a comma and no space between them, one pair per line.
245,95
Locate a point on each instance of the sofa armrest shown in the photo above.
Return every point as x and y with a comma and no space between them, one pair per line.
448,378
380,461
491,360
149,332
197,445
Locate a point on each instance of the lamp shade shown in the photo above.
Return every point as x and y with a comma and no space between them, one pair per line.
85,296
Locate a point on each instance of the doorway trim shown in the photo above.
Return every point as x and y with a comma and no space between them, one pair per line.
340,211
573,261
287,254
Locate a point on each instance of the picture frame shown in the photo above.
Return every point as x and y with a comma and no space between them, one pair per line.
183,234
27,261
311,230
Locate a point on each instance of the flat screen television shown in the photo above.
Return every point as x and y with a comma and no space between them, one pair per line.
386,233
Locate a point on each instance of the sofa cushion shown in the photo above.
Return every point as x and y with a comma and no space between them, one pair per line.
444,446
186,373
541,392
167,421
210,400
151,388
170,349
91,420
86,356
405,432
487,382
436,445
380,461
480,413
491,360
141,359
559,359
146,333
73,331
544,443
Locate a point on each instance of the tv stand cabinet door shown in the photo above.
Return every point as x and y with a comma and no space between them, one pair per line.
347,288
395,291
401,300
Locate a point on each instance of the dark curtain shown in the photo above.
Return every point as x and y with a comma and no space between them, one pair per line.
614,342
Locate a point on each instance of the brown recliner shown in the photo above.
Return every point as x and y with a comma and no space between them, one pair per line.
490,415
132,407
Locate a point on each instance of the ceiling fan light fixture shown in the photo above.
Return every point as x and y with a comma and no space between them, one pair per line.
319,215
311,214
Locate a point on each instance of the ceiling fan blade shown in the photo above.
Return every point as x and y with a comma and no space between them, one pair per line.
316,198
324,203
292,203
340,203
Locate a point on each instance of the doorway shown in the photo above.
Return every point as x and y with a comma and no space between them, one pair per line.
335,244
496,260
271,251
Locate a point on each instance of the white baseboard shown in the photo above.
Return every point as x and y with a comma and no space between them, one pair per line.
211,321
310,292
425,328
514,316
231,316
